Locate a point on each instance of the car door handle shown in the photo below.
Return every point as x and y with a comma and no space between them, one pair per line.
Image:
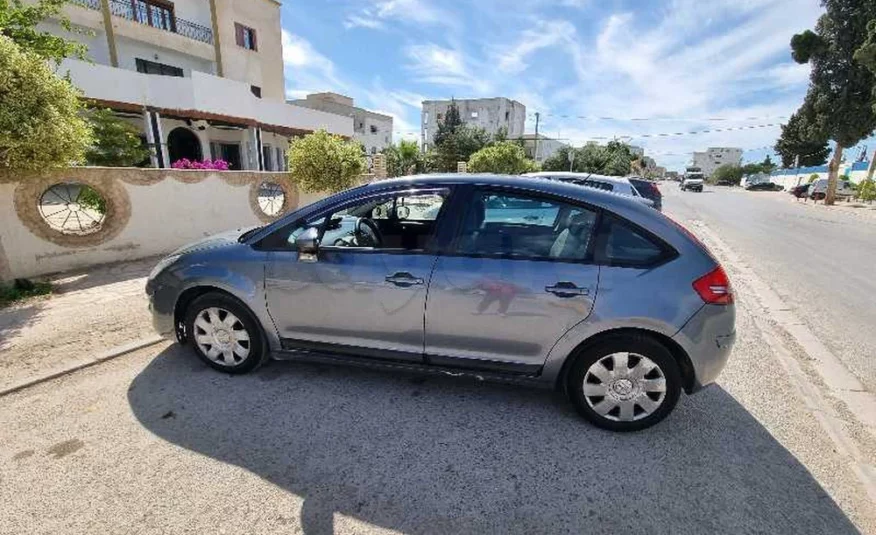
404,279
566,289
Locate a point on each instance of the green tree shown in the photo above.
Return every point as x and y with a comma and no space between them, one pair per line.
325,162
767,166
458,146
117,143
404,159
18,22
455,141
613,159
803,136
40,114
867,190
504,157
729,173
558,161
840,86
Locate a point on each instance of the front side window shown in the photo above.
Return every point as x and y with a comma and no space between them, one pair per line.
523,226
404,221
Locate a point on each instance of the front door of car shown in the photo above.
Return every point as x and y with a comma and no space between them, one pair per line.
517,277
364,292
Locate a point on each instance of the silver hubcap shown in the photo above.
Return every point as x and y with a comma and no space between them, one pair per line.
624,387
221,336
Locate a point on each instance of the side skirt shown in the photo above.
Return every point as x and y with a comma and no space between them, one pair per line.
327,357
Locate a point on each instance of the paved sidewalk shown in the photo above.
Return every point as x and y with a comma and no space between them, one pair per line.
91,312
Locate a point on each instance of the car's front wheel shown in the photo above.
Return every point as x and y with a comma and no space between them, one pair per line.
624,383
224,333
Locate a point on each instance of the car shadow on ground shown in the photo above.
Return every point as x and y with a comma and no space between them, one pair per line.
436,455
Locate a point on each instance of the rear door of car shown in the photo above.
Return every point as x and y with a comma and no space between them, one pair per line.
518,275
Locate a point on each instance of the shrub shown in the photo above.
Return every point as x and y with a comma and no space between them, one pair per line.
215,165
505,157
40,114
325,162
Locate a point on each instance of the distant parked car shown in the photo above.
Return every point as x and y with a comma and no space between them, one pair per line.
764,186
613,184
801,191
818,189
648,189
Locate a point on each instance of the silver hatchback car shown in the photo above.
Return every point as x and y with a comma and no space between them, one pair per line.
512,279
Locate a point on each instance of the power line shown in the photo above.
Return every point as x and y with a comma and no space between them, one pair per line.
639,119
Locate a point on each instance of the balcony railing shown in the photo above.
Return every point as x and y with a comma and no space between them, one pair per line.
158,17
90,4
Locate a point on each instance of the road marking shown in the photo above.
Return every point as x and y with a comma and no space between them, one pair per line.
841,384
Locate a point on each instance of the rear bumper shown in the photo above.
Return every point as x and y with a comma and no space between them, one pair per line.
708,339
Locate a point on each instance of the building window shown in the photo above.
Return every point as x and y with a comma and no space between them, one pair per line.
373,129
425,117
281,160
256,90
268,158
155,13
151,67
474,115
245,37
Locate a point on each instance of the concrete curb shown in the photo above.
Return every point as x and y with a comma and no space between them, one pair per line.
117,351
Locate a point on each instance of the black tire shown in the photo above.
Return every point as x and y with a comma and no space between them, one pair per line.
256,343
640,345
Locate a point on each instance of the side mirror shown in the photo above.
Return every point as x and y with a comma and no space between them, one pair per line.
308,241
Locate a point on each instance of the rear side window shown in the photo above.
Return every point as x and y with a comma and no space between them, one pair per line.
627,245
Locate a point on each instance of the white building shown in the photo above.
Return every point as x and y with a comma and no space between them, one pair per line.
544,149
715,157
202,78
491,114
372,129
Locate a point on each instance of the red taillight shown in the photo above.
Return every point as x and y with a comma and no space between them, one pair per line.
714,287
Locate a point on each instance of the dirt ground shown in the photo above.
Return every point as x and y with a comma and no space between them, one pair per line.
90,312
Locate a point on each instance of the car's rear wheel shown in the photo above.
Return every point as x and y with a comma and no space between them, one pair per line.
624,383
224,333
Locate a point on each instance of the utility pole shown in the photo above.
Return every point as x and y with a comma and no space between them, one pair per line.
537,115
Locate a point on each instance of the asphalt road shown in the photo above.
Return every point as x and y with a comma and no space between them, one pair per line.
820,261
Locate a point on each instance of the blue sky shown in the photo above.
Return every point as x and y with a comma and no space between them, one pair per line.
594,69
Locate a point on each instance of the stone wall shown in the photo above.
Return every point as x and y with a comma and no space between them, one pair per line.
49,222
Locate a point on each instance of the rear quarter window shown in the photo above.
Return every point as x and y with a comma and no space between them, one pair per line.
623,244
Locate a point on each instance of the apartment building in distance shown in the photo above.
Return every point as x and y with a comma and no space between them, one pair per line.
491,114
201,78
372,129
715,157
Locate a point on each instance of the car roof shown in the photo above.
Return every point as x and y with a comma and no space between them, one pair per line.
582,176
534,183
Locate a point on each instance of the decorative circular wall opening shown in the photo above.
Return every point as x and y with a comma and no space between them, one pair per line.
73,208
271,199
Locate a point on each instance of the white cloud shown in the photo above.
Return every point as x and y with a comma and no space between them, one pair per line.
406,11
307,71
545,34
442,66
